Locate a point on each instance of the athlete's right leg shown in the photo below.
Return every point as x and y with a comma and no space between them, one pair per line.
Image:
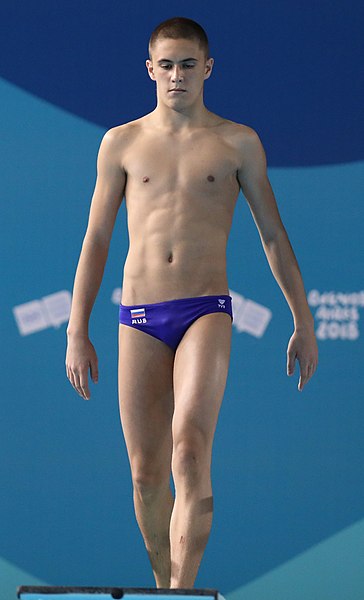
146,411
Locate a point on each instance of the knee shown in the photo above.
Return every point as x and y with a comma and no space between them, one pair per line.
149,481
190,456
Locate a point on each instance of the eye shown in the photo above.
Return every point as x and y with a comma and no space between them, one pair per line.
189,66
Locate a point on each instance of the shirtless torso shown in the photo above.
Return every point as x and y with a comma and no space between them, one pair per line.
180,169
180,194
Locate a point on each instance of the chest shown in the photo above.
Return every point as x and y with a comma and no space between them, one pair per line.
199,164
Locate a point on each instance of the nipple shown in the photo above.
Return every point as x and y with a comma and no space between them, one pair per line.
145,179
210,178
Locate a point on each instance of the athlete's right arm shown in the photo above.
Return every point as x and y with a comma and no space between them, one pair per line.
105,203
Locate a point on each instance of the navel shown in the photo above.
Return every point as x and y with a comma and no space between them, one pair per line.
145,179
170,257
210,178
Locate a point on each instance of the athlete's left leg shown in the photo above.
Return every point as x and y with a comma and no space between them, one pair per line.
199,378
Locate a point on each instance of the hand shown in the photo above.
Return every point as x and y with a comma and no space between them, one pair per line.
80,357
303,347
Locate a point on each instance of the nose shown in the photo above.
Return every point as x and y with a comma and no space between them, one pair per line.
177,74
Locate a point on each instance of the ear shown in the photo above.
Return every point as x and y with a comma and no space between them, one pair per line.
149,65
208,67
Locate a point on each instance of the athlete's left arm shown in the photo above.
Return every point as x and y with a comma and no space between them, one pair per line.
255,185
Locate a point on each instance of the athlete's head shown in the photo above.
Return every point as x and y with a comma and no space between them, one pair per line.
180,28
179,60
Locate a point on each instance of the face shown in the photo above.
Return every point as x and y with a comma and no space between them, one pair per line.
179,68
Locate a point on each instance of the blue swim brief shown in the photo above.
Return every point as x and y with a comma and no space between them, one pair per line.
168,321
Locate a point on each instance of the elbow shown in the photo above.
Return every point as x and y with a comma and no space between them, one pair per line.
97,239
273,237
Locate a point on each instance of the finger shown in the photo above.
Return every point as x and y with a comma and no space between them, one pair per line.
303,375
306,373
291,359
94,371
311,370
71,378
78,386
84,386
302,382
84,382
85,392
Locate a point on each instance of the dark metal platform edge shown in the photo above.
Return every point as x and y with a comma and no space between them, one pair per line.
115,592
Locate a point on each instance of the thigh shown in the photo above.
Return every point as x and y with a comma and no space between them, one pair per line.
200,372
145,399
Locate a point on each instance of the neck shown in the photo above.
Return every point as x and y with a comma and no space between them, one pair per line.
175,119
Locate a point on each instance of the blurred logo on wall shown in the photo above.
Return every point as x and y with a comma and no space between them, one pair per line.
49,311
336,314
249,316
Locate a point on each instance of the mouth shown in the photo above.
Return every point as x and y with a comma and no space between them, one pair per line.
176,90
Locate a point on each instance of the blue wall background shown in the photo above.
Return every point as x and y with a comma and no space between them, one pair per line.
287,467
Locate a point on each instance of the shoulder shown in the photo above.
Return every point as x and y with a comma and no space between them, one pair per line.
242,135
243,138
246,141
116,141
121,134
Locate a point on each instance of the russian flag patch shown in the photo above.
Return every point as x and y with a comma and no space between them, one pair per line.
137,313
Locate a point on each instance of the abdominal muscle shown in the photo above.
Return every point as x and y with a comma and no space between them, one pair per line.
174,258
